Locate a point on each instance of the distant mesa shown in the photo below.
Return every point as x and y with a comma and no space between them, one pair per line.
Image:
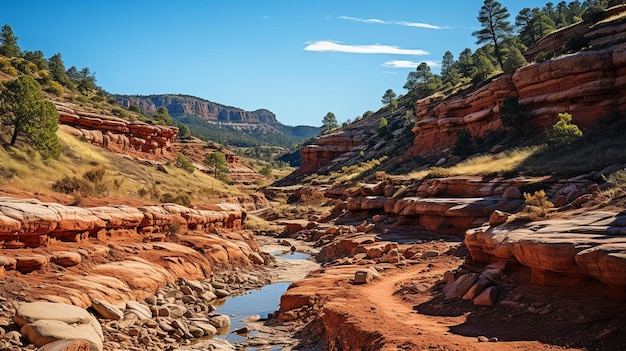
178,105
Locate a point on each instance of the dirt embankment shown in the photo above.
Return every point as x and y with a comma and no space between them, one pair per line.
404,306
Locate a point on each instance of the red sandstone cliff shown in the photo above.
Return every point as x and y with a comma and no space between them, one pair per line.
589,84
115,133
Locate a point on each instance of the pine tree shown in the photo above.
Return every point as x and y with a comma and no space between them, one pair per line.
8,42
495,27
57,69
329,122
24,110
389,99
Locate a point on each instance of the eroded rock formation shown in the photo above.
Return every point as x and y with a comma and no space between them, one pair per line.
115,133
589,84
565,251
115,253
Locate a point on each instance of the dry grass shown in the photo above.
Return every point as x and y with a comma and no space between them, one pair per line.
256,223
346,174
23,170
505,162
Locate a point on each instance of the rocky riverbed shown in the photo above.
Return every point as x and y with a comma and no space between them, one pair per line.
181,315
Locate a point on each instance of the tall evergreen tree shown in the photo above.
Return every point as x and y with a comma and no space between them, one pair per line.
422,82
28,115
449,72
329,122
495,27
8,42
57,69
465,64
37,58
389,99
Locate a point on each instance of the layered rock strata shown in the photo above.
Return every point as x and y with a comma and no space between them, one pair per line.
589,84
30,223
567,251
116,133
452,205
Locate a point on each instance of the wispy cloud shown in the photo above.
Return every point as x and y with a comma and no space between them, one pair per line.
324,46
408,64
399,23
371,20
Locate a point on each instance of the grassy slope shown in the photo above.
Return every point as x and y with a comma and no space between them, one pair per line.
23,173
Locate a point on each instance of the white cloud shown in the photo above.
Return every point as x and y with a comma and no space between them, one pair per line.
399,23
324,46
408,64
371,20
418,25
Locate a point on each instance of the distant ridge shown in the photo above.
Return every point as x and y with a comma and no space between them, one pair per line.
219,122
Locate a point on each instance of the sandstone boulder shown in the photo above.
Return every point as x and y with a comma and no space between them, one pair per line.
66,345
45,322
66,258
107,310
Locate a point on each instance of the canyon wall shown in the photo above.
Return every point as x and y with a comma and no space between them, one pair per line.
589,84
116,134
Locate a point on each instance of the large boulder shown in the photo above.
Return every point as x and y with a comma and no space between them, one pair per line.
45,322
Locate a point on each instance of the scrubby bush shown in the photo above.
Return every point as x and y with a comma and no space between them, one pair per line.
564,132
71,185
464,145
181,199
54,88
313,198
184,163
537,203
95,175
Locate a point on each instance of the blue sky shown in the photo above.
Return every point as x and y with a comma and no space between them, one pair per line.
299,59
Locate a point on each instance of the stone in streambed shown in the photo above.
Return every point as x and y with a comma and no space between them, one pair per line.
107,310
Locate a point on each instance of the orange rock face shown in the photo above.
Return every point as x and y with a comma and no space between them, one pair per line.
116,133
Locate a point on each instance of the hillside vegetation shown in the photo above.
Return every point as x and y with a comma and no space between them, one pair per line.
88,175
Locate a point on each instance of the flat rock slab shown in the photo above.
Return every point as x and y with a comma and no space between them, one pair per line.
591,244
45,322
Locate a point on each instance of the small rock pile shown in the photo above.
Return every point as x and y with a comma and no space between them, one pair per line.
481,288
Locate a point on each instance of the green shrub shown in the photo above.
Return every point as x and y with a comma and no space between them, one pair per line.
544,56
54,88
266,171
464,145
119,112
181,199
184,163
24,65
512,114
564,132
72,185
593,14
576,42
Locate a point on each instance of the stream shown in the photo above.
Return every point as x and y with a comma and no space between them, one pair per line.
261,302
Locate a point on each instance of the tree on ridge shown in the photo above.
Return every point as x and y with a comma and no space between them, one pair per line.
495,27
8,42
329,123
